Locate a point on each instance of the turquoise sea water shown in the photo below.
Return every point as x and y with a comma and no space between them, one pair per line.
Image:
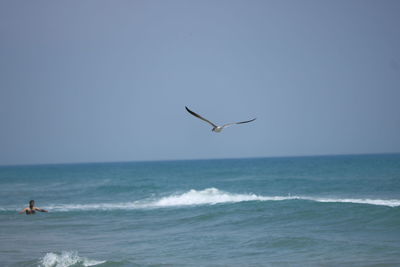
299,211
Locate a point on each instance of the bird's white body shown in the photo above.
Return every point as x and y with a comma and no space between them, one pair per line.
217,129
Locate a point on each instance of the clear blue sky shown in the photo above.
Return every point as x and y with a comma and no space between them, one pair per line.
88,81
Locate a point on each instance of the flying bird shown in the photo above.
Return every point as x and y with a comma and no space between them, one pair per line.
216,128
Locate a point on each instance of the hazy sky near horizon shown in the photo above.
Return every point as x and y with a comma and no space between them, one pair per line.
88,81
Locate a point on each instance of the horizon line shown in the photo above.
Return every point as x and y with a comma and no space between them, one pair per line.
195,159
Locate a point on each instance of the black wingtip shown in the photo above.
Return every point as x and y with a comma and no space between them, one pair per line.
246,121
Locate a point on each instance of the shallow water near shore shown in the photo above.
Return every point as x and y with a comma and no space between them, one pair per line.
310,211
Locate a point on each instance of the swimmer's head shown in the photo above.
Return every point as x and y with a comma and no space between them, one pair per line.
31,203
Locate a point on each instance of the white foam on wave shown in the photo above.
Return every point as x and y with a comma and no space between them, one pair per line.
98,206
208,196
211,196
65,259
379,202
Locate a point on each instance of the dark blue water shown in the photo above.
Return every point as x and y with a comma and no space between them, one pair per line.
300,211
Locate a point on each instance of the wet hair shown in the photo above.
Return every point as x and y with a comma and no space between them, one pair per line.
31,203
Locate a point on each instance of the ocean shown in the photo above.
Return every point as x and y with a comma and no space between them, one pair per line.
289,211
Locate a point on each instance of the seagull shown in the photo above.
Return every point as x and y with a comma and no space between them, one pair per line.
216,128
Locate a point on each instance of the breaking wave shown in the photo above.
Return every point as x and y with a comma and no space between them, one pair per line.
209,196
212,196
65,259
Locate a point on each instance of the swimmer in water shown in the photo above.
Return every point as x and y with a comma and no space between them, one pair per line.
32,209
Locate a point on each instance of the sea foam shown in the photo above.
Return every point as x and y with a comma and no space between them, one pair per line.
211,196
379,202
65,259
204,197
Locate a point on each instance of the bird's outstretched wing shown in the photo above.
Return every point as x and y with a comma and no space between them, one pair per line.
240,122
200,117
245,121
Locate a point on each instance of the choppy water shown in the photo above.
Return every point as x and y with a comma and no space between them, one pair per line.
304,211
